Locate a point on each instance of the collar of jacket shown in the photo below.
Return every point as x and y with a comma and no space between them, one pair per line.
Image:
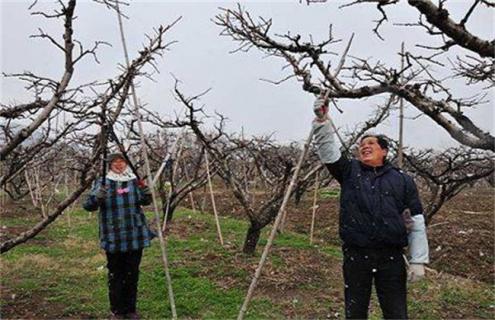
377,170
127,175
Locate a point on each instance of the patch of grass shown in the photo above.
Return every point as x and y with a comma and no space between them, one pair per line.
326,193
33,249
293,240
64,269
68,270
332,251
196,297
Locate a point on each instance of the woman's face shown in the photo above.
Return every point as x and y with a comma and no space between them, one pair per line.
118,165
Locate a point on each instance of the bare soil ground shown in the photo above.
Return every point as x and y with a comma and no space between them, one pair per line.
461,235
302,282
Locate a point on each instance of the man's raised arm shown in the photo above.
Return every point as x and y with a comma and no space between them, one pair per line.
327,144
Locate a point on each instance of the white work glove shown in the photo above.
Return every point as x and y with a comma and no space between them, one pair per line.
418,248
416,272
320,108
418,241
327,147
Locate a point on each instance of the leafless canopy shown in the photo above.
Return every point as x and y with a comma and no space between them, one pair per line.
443,175
60,128
361,78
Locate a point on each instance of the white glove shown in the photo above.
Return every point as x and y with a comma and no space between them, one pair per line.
327,147
416,272
320,108
418,241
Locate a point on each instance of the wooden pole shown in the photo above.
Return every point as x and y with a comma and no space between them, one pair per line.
315,197
273,232
327,94
148,172
175,156
30,188
170,155
203,201
66,176
219,231
400,154
191,198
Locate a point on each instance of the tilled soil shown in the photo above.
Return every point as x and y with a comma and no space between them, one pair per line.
461,234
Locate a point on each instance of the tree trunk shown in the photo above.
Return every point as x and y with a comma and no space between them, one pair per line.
298,195
171,210
252,238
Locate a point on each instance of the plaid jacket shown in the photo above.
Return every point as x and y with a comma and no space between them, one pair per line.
122,224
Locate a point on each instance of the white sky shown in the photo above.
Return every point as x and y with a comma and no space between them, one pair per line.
201,60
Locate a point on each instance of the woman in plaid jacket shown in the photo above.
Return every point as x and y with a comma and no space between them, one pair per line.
123,232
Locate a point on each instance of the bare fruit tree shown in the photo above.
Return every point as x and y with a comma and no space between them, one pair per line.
240,162
64,121
362,78
234,158
184,168
445,174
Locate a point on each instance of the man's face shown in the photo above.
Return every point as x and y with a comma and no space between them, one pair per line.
118,165
370,152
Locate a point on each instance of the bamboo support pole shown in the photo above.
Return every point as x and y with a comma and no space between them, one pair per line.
148,172
177,149
30,188
39,192
326,96
203,201
400,152
191,197
217,222
273,232
315,198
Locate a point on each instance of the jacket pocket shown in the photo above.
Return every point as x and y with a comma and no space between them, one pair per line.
395,229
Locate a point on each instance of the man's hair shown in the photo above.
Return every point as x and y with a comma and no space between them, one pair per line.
382,139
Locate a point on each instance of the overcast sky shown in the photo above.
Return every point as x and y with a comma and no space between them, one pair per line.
201,60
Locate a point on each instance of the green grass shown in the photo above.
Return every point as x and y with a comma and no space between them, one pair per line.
328,192
65,267
62,273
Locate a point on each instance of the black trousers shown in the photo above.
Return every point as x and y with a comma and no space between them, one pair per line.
123,276
387,268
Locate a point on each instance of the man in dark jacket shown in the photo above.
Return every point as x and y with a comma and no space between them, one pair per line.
377,201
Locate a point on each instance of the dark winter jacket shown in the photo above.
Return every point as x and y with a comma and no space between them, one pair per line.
371,203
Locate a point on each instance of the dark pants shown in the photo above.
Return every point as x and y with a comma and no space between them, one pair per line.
123,276
387,268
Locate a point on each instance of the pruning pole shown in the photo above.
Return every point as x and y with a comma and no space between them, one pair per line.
219,231
148,171
273,232
327,94
315,196
400,153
